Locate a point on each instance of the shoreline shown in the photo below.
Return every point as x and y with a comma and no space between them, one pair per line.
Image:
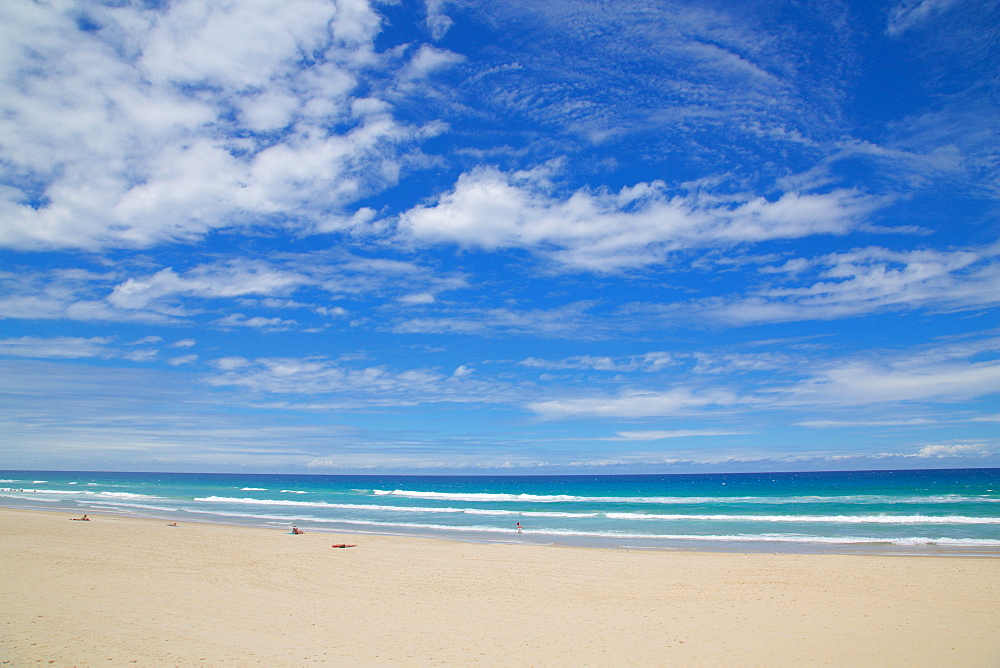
122,589
751,546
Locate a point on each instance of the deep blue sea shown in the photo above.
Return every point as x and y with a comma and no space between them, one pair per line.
923,511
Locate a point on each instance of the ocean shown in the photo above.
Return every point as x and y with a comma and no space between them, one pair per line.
914,511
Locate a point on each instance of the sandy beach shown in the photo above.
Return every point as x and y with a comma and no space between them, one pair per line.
125,591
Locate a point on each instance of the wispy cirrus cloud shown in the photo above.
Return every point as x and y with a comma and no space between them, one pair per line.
58,347
657,435
201,292
700,70
910,13
852,284
940,374
568,320
322,382
636,404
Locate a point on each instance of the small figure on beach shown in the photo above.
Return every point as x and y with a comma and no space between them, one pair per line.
81,519
297,531
519,527
172,524
343,545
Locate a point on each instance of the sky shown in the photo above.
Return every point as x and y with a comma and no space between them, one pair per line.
519,237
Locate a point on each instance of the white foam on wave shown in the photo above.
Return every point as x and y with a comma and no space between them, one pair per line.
12,494
84,492
617,535
123,504
323,504
525,513
253,489
833,519
293,491
537,498
125,495
667,500
402,509
253,516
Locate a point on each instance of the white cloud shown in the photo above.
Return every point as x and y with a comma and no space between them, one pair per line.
910,13
825,424
956,450
147,339
329,384
606,231
182,359
233,279
437,21
870,280
142,130
654,435
940,374
418,298
60,347
635,404
567,320
855,383
690,79
141,355
426,60
230,363
255,322
202,292
648,362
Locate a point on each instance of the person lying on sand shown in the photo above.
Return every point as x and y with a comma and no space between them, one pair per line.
297,531
81,519
172,524
343,545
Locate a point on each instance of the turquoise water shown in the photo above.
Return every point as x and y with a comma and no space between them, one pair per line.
893,511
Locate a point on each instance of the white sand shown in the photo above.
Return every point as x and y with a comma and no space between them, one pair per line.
125,591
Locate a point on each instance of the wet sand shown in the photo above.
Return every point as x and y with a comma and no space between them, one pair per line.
126,591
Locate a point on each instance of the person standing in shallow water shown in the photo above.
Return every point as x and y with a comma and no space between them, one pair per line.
519,527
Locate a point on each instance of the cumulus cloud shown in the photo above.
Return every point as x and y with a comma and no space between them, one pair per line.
606,231
131,126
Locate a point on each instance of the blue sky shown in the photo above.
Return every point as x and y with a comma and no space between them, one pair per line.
499,237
